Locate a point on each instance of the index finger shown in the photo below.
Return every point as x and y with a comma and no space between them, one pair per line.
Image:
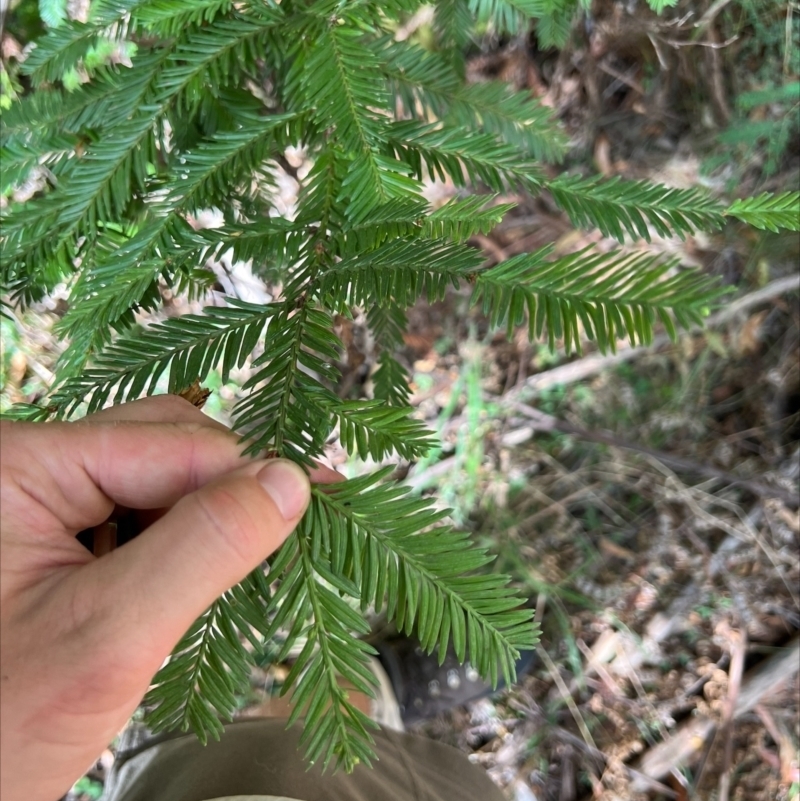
175,409
155,409
75,470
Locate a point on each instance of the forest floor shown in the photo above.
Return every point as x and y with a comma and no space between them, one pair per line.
646,502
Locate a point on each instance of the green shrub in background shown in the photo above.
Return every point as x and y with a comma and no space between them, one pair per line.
772,134
215,94
766,115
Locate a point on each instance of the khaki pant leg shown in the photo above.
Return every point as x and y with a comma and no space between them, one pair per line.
261,757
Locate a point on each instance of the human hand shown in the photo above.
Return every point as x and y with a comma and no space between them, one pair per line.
80,636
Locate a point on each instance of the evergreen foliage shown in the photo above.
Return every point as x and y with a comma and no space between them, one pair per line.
216,93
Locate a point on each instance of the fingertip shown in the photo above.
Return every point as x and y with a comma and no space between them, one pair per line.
287,485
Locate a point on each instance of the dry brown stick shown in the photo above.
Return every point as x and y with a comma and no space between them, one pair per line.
421,18
557,505
566,696
680,749
734,685
709,16
595,363
566,736
709,45
497,253
787,750
651,784
607,678
418,479
716,81
622,78
546,422
692,496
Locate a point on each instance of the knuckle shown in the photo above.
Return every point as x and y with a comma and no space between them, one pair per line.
167,402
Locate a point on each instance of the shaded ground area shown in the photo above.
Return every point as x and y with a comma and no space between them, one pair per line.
663,592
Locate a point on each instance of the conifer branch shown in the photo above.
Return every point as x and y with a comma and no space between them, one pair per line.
453,23
171,17
19,159
189,347
617,207
60,50
391,381
105,102
101,184
603,296
374,431
399,272
208,173
427,80
428,581
508,15
388,322
333,726
348,101
210,664
286,410
768,212
458,220
101,303
462,156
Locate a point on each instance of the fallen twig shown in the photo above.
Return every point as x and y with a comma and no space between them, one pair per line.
787,750
622,78
709,16
734,684
567,697
556,506
546,422
531,713
679,750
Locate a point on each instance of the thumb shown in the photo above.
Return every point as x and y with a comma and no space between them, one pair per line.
209,541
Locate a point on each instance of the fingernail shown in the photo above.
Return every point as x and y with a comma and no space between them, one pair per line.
287,485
